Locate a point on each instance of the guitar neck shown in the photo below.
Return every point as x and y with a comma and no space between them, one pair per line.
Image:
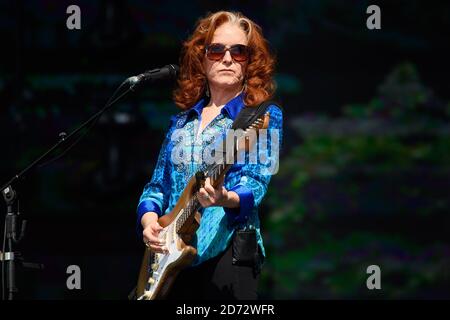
216,172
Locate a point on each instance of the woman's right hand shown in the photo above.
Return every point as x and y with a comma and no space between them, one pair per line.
152,228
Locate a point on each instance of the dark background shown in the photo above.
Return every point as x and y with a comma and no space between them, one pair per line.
364,171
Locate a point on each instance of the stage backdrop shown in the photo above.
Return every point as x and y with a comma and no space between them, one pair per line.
364,168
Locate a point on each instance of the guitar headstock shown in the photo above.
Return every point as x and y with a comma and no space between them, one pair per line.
262,122
236,142
251,133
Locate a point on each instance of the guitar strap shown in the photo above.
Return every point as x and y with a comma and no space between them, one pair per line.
245,249
249,114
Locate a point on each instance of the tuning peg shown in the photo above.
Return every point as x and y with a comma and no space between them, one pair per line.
154,266
151,281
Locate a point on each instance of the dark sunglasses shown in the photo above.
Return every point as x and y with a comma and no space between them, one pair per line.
216,51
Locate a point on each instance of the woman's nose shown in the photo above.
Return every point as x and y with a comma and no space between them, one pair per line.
227,57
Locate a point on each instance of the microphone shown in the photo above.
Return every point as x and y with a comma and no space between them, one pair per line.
167,72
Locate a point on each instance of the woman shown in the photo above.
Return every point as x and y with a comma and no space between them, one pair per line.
225,65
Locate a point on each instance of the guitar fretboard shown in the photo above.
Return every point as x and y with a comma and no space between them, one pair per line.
214,173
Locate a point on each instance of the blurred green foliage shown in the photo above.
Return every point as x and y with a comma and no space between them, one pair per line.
368,187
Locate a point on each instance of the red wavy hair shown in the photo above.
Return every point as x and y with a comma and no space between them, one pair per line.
260,85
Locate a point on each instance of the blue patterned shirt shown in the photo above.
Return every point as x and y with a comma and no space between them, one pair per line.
249,180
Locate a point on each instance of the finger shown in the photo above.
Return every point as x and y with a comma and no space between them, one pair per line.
149,233
220,185
203,202
224,192
157,249
209,189
153,239
155,244
203,197
207,196
156,227
209,184
203,194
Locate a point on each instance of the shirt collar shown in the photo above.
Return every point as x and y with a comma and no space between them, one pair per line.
232,107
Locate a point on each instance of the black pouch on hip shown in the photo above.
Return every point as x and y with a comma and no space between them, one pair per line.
245,250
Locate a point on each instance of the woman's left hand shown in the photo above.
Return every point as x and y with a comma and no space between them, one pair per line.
216,197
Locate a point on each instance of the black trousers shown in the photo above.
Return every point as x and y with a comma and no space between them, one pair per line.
216,279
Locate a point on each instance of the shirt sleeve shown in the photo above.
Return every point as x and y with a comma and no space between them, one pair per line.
155,196
255,177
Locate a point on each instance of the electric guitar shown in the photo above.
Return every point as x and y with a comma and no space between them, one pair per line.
158,271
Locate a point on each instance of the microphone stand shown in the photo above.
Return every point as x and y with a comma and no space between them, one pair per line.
10,196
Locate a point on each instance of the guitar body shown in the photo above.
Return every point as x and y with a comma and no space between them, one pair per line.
158,271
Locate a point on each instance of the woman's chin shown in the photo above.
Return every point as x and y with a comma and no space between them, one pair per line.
227,83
